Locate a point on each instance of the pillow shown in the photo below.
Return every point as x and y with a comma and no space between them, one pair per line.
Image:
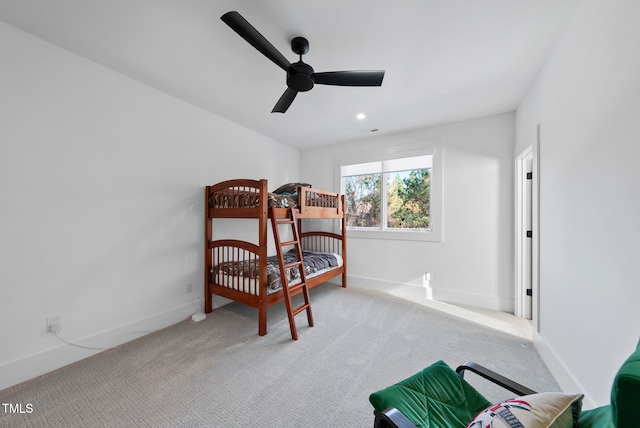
543,410
290,188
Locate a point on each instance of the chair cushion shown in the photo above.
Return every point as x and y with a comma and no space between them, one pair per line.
436,397
543,410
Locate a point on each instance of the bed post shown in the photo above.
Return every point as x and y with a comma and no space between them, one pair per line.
262,243
208,299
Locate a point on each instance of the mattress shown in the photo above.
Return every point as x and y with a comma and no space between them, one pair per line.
243,275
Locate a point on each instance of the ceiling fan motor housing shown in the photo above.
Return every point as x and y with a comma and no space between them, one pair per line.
300,77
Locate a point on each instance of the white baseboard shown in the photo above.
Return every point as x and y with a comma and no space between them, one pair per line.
62,354
560,371
449,296
493,303
395,288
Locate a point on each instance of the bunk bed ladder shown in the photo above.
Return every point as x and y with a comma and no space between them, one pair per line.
301,287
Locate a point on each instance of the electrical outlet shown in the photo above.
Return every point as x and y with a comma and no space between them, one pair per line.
188,288
53,324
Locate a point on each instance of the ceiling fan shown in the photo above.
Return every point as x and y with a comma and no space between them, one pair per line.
300,76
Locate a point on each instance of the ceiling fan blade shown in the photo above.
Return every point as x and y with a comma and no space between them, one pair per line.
350,78
285,101
250,34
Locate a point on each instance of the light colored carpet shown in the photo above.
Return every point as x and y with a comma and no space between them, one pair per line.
220,373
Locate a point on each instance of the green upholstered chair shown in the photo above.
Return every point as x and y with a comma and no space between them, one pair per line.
439,397
624,410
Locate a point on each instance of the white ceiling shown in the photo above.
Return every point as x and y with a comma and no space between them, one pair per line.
445,60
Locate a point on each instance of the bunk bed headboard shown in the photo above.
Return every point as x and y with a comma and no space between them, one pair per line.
242,198
313,203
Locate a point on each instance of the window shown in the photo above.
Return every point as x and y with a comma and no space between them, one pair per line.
393,194
394,197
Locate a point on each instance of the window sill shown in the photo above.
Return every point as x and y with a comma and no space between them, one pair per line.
397,235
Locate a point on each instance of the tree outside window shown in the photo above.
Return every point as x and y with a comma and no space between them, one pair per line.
404,203
408,197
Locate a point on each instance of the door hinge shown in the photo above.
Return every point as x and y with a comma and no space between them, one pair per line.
529,175
529,233
529,292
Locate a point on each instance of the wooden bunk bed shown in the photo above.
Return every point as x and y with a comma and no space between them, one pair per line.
242,271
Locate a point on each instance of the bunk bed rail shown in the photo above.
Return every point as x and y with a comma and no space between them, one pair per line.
246,198
236,265
322,242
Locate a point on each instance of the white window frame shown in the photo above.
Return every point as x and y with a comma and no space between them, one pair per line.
434,233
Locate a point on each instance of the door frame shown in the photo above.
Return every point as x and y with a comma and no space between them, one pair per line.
528,147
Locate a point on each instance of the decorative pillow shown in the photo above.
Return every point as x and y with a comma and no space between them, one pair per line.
543,410
290,188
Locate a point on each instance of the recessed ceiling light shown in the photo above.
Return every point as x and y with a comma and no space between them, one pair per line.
361,116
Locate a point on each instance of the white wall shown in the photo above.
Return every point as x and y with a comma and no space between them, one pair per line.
101,207
587,102
473,263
